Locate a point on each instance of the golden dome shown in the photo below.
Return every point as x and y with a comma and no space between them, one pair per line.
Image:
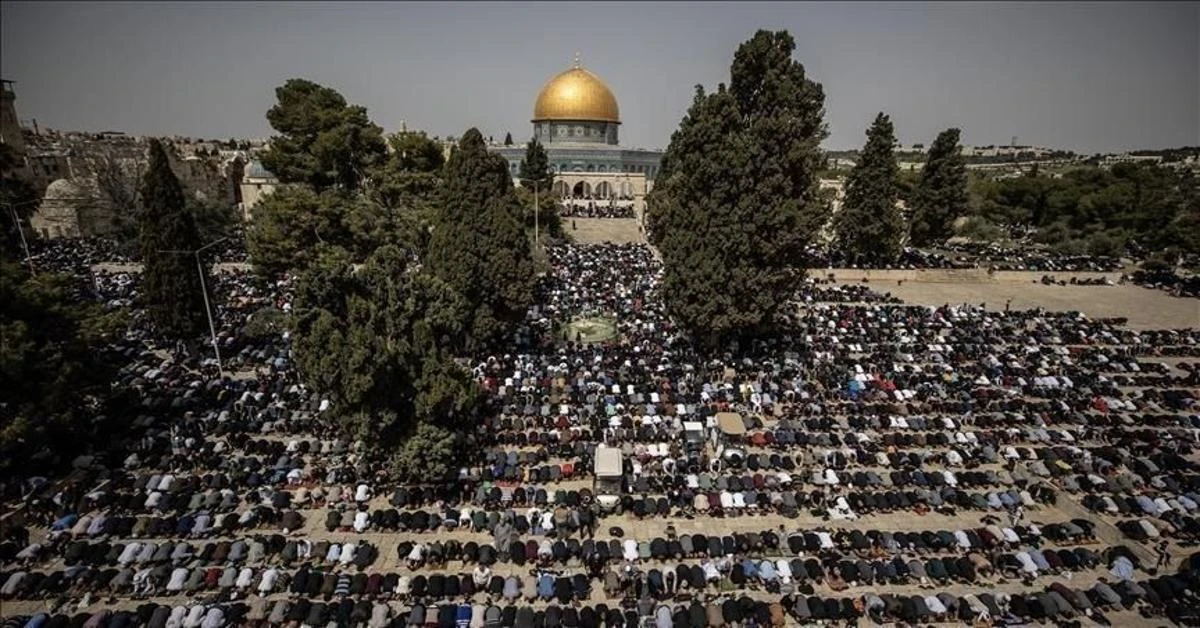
576,95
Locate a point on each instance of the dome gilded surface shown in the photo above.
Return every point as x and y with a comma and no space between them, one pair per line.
576,94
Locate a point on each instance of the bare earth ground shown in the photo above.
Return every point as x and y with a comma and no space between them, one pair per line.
1145,308
597,230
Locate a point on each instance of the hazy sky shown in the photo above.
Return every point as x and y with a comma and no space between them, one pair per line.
1089,77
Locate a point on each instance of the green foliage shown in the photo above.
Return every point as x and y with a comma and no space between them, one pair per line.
322,141
1154,206
171,283
268,322
290,227
736,199
534,170
1105,245
535,173
51,362
980,229
508,139
215,219
17,193
1160,262
372,339
409,177
941,196
869,224
431,453
478,246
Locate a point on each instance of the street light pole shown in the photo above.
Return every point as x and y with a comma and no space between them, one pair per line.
212,328
12,210
537,209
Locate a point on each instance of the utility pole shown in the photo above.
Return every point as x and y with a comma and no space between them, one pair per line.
12,211
212,329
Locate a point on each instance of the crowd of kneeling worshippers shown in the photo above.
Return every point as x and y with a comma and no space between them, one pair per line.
241,503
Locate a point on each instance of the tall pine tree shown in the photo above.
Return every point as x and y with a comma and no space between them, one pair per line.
535,167
869,227
479,246
535,173
736,202
941,195
322,141
171,284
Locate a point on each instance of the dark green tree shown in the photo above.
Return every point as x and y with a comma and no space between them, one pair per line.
289,228
409,177
535,173
17,193
215,219
736,201
508,139
941,196
322,141
869,226
535,168
479,247
56,373
171,284
372,338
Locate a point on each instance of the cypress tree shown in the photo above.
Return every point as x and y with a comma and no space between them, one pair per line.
535,167
508,139
869,226
171,284
736,201
941,194
479,247
535,172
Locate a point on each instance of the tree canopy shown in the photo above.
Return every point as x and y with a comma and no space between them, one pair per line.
1146,205
479,247
736,201
941,195
52,361
409,177
535,174
534,170
869,225
171,283
372,336
17,193
321,141
294,224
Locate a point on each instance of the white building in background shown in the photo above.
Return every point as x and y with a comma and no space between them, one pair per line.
256,183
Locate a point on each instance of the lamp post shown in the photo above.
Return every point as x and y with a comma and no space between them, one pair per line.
12,211
212,329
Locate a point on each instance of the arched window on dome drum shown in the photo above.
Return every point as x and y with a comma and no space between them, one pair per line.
591,168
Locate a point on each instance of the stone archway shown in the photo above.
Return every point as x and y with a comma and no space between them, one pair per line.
603,190
561,188
581,190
